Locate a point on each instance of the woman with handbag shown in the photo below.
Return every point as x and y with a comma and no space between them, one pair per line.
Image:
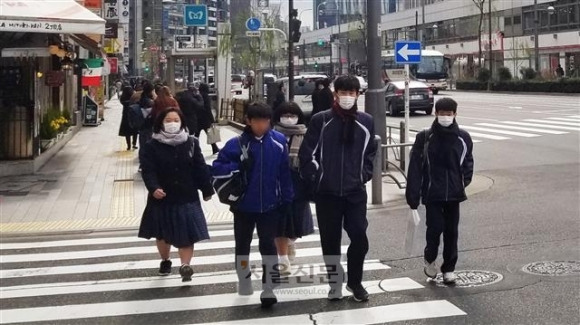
174,170
289,120
125,130
206,121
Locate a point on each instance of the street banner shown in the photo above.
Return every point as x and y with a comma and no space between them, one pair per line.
92,72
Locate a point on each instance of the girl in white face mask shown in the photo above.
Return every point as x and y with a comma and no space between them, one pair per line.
290,122
174,170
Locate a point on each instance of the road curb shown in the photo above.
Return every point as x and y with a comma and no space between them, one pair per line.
513,93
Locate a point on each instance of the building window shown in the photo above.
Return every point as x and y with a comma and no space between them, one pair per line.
517,20
507,21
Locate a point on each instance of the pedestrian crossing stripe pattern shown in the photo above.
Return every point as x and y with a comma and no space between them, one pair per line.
115,277
506,130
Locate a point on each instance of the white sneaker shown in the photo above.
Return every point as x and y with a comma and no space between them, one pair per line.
431,269
284,266
291,252
449,278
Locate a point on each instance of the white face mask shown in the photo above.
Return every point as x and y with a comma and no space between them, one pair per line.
172,127
346,102
445,121
289,120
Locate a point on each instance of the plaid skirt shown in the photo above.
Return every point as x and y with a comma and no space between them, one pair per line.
180,225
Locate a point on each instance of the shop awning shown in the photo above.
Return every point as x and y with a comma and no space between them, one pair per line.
48,16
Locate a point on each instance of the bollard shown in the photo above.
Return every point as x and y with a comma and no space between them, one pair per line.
377,181
401,150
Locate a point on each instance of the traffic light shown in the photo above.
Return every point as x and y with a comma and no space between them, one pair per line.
295,30
316,66
320,42
146,69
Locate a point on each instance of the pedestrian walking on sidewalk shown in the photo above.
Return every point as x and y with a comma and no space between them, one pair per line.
289,120
146,103
125,129
163,101
268,195
337,158
440,168
174,170
191,103
280,96
324,99
205,117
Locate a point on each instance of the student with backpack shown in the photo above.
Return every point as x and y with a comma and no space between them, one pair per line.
337,157
261,155
440,168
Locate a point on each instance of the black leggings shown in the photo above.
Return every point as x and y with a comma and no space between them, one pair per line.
129,142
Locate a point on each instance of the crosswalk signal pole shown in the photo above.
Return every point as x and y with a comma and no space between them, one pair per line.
407,115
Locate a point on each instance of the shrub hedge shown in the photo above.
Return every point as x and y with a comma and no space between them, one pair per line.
540,86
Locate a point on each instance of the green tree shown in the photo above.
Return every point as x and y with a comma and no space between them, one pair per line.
480,4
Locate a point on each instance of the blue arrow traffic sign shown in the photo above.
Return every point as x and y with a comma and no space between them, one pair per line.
253,24
407,52
195,15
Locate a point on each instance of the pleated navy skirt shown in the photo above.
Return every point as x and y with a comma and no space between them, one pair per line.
180,225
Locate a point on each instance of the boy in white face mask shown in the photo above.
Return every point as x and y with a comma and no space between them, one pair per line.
440,168
337,158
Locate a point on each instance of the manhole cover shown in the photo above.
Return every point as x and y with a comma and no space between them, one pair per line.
553,268
472,278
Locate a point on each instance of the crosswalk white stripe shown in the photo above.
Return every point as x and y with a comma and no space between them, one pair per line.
94,241
565,119
142,307
517,134
412,139
488,136
553,122
16,258
61,288
558,127
537,130
372,315
137,265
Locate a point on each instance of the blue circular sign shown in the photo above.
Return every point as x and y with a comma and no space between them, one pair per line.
253,24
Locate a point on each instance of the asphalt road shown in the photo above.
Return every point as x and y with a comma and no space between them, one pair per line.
530,214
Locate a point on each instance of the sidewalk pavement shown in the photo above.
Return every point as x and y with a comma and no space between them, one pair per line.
93,184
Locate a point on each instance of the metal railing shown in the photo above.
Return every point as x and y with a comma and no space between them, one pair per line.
16,137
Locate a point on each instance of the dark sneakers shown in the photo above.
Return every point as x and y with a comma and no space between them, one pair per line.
268,298
359,293
165,268
186,272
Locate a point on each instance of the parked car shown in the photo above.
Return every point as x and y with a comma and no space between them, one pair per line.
421,97
303,89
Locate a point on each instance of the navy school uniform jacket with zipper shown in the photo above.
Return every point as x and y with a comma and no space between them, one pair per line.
447,169
333,165
269,178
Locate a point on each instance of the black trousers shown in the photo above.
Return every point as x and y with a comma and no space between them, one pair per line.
442,218
334,212
267,225
128,140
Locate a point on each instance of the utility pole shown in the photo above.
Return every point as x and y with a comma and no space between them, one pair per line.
490,44
290,52
536,38
375,96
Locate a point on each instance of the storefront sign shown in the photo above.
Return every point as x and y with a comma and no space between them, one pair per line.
54,78
90,112
93,4
124,11
29,26
111,30
111,10
114,62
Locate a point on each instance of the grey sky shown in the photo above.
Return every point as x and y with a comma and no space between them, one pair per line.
307,18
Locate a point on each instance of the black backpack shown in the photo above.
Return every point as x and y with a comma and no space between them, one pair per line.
135,117
231,188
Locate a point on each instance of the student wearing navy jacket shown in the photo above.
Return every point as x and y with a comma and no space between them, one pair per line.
268,197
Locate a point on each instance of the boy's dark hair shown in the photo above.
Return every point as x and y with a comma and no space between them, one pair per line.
325,82
289,108
347,83
158,124
258,110
446,104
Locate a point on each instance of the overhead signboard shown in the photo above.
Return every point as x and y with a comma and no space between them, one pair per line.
124,11
111,10
252,33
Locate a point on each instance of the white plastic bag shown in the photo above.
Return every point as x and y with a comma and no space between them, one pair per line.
416,233
213,134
